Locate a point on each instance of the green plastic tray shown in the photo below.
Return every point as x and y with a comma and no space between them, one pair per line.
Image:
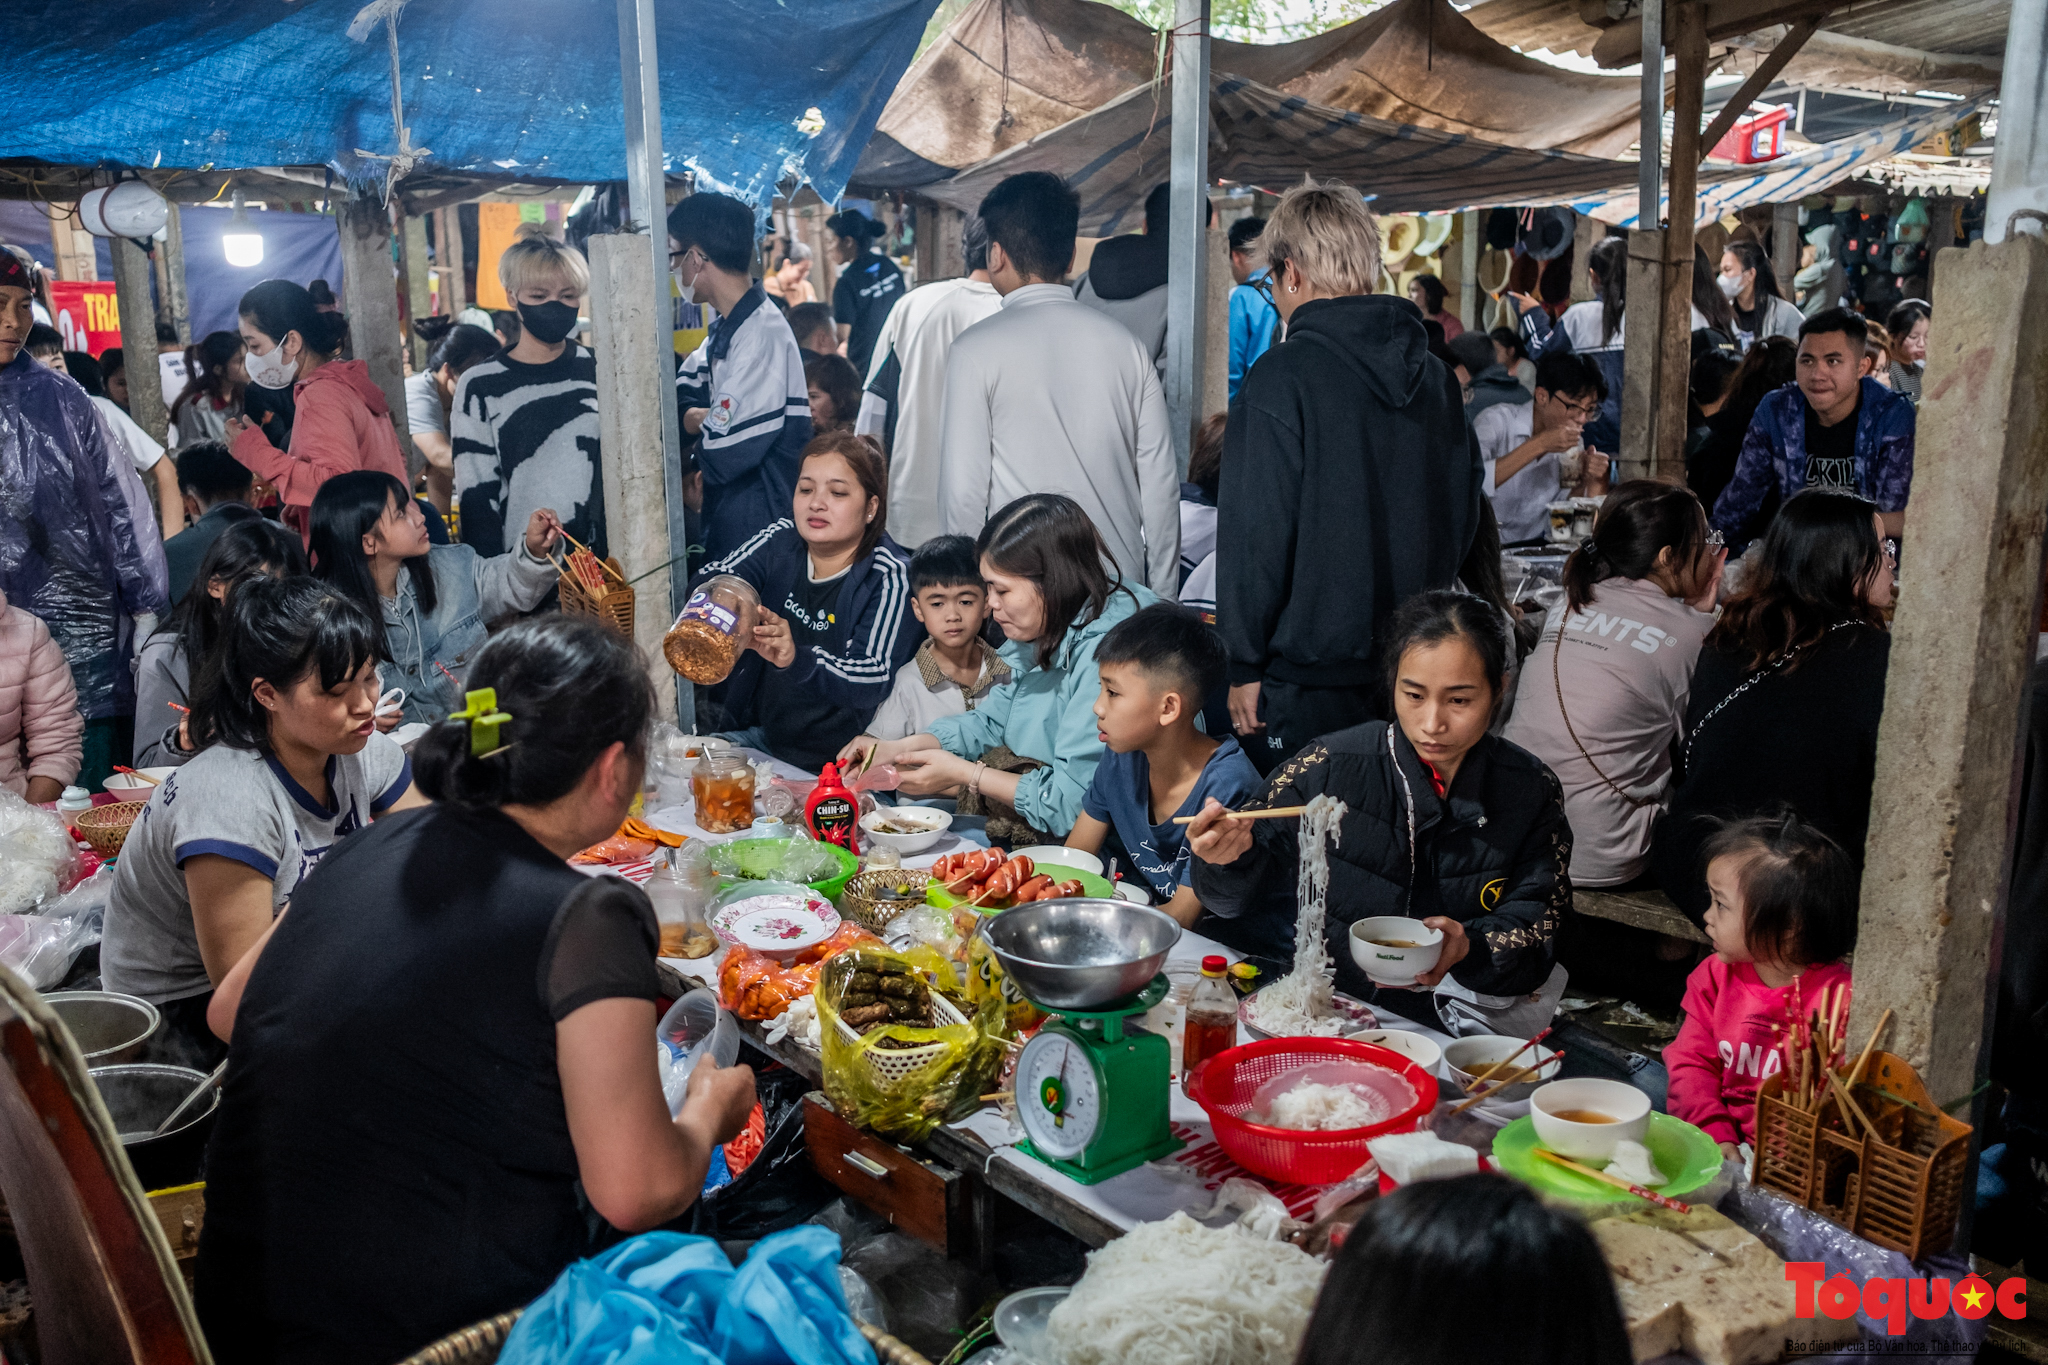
759,856
1676,1145
1091,885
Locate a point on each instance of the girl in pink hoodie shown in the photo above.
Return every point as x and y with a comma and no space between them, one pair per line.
1783,912
342,421
42,736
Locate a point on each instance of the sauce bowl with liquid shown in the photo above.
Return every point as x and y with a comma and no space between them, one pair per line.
1585,1117
1393,950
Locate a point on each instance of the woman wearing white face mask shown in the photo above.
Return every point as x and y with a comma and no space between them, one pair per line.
1749,283
342,421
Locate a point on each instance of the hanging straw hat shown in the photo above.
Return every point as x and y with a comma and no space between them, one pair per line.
1399,234
1436,230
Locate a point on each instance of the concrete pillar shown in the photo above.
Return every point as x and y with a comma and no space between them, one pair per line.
1962,647
1785,245
174,307
1587,233
629,326
418,295
1187,254
132,280
1215,387
370,298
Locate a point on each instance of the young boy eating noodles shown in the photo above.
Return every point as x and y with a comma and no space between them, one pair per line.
954,667
1156,668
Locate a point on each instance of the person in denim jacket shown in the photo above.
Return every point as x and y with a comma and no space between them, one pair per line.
366,529
1828,429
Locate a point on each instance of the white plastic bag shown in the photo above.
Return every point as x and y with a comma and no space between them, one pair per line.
40,948
38,856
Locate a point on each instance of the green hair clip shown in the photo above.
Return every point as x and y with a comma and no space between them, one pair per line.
483,718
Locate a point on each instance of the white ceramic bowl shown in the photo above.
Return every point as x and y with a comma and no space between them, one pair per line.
1465,1058
1058,855
1423,1051
130,788
1395,966
1589,1142
932,825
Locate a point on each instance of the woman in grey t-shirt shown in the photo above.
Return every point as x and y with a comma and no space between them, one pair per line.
292,764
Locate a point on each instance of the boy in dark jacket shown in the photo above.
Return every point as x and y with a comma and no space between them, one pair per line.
1350,482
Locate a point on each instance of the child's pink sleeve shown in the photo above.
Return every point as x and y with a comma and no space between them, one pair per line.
1694,1062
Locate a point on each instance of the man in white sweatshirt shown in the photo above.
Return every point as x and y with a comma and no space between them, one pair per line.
1050,396
904,401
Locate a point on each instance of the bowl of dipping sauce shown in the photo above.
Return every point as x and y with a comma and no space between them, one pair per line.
1583,1118
1393,950
1466,1058
907,829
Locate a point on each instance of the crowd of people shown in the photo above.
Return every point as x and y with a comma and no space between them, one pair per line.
961,509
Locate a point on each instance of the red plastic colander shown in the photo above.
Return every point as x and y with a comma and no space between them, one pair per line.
1237,1083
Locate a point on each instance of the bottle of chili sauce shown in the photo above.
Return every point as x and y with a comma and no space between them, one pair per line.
833,812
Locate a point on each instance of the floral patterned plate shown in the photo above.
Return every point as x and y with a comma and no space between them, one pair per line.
776,923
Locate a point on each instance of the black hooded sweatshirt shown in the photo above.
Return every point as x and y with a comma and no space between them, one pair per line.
1350,483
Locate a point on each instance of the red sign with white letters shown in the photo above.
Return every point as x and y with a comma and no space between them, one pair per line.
87,315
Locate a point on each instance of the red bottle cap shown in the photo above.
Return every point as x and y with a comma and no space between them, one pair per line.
1215,964
830,776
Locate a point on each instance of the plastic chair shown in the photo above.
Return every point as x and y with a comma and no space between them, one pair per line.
101,1274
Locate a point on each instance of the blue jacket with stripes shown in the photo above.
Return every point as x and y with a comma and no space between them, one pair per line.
874,633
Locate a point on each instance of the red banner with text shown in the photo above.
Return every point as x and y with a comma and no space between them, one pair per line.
87,315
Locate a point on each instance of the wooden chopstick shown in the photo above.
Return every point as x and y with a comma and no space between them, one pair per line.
1675,1205
1512,1078
1487,1074
132,772
1276,813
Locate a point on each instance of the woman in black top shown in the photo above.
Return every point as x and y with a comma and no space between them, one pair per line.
441,1086
1788,691
1448,824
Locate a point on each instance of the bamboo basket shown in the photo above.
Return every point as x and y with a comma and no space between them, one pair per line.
614,608
1904,1192
106,827
858,903
480,1344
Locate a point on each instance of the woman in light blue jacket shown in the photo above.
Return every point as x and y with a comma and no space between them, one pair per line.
370,541
1050,589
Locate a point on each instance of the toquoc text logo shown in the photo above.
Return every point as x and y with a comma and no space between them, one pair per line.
1891,1300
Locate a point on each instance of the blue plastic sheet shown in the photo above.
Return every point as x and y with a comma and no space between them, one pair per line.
667,1297
520,90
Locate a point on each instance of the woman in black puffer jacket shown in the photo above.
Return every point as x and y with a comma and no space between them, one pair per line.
1448,824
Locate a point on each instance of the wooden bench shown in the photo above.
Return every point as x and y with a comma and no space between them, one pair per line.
1650,910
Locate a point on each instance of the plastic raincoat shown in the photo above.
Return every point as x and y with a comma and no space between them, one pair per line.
78,541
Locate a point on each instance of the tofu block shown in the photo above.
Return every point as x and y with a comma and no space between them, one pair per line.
1656,1321
1648,1255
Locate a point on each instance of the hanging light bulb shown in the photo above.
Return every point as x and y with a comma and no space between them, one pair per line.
242,243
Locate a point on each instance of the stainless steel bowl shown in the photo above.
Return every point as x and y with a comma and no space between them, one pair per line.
138,1098
1083,952
108,1027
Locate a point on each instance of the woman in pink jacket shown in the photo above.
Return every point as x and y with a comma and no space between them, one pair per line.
42,736
342,421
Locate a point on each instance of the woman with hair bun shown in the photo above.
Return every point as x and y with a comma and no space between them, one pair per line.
341,420
1602,698
444,1090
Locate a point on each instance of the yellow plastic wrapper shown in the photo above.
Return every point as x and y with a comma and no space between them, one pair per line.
985,977
903,1079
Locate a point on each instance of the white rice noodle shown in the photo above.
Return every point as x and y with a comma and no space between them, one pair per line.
1300,1002
1326,1108
1177,1293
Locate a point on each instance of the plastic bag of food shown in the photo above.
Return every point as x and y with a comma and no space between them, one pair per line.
895,1062
987,981
803,860
756,986
38,856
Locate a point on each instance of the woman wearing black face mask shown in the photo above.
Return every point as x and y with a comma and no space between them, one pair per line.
523,427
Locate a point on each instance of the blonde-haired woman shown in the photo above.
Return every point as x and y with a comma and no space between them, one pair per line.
523,426
1350,481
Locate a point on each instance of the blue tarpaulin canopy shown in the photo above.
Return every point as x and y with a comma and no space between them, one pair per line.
509,88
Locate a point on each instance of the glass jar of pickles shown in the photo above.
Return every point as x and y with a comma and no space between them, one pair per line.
722,785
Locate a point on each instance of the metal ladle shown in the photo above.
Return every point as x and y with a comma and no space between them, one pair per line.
186,1103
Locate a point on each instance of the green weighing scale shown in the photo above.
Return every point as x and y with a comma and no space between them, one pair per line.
1093,1094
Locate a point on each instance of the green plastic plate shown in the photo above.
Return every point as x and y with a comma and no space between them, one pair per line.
1676,1145
1091,885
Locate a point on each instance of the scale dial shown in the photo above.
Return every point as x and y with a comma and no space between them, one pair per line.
1059,1097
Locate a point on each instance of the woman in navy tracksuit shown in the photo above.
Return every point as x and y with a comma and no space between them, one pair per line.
835,618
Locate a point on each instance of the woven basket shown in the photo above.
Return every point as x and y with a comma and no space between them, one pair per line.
894,1065
614,608
858,900
106,827
480,1344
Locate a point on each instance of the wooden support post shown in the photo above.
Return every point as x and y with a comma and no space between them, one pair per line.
1785,245
1687,36
1642,373
1470,300
448,246
1187,255
132,280
418,295
628,324
170,264
72,246
1215,387
1587,233
1934,877
939,253
370,298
